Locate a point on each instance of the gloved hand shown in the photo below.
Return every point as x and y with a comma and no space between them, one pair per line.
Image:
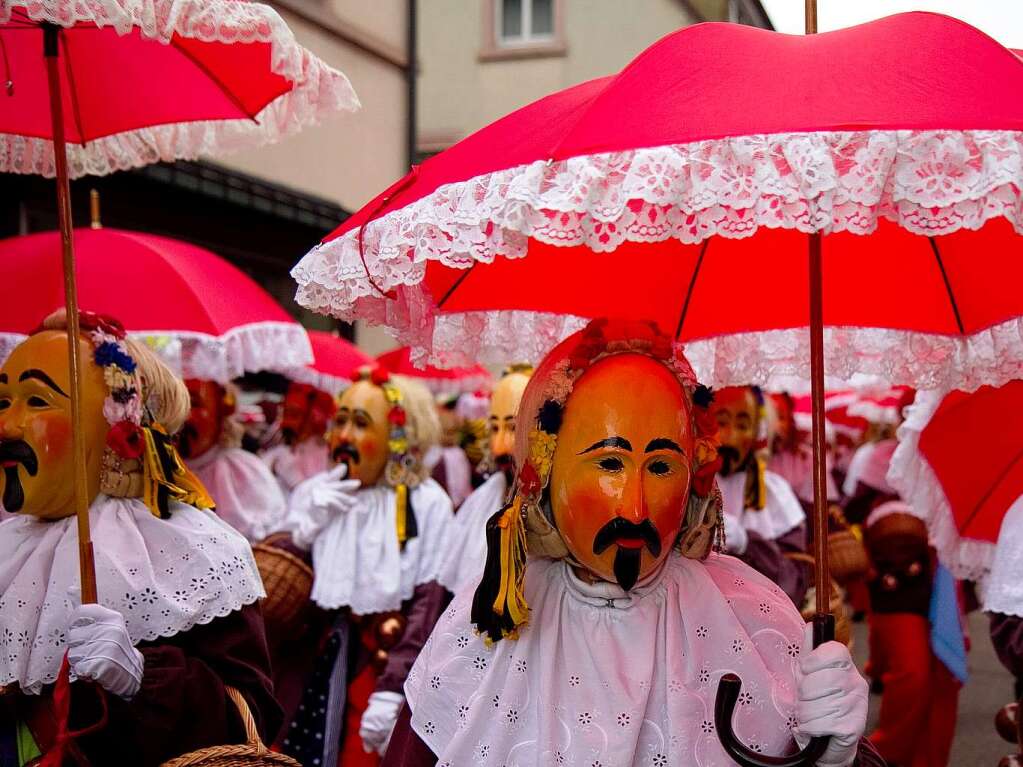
99,649
831,700
378,721
334,494
315,501
736,537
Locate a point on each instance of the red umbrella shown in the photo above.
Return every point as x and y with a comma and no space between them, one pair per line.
958,464
123,66
439,381
109,76
722,185
220,323
637,195
335,359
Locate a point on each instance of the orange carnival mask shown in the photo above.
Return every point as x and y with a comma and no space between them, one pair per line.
211,404
306,413
504,404
35,426
737,413
617,459
359,437
621,471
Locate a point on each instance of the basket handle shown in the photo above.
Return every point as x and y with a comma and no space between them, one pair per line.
251,733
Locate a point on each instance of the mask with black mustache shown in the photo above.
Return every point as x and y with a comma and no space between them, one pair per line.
505,463
346,452
627,558
14,453
731,461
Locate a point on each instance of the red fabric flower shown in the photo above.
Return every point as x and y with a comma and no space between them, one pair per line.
379,376
703,480
126,439
529,480
397,416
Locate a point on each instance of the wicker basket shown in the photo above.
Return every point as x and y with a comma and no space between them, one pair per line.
847,556
836,602
251,753
288,582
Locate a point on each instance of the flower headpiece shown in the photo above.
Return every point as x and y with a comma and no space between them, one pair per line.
499,607
138,449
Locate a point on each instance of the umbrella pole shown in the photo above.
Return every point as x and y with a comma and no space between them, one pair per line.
823,620
87,569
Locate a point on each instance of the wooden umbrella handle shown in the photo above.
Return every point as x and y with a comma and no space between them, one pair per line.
87,569
724,708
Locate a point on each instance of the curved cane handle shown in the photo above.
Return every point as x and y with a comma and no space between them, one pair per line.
724,707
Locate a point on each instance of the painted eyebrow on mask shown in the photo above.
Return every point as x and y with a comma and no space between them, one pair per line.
663,443
619,442
39,375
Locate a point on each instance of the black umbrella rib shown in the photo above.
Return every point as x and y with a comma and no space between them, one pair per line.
692,286
458,283
948,285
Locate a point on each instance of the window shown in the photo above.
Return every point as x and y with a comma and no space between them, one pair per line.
524,22
518,29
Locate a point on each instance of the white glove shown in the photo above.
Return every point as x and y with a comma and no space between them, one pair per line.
315,501
831,700
378,721
99,649
736,537
334,494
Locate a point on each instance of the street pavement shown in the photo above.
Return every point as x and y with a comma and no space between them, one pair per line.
988,689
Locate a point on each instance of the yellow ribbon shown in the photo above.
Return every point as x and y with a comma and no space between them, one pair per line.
510,596
401,495
179,483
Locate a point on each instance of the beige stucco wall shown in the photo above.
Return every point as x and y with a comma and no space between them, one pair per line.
458,93
349,159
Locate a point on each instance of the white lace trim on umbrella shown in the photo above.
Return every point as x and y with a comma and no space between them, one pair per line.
163,576
914,479
275,346
333,385
928,182
320,91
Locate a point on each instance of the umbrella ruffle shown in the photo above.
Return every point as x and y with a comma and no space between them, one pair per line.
772,358
276,346
333,385
928,182
911,475
319,92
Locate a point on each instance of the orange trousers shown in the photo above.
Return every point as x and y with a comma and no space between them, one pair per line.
920,698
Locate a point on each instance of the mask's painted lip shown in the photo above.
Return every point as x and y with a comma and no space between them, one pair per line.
10,464
631,543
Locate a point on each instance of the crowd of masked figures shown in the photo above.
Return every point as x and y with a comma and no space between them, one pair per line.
553,571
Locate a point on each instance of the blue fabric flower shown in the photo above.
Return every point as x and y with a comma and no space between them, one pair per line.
108,353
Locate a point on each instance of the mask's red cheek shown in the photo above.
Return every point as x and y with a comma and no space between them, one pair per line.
50,435
369,448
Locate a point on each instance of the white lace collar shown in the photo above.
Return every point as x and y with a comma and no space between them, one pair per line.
586,683
356,557
247,495
465,550
782,511
1003,589
164,576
